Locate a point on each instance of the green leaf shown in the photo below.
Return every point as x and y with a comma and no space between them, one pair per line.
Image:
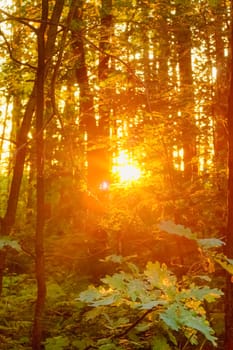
89,295
121,321
117,259
201,325
142,327
106,300
207,243
54,290
81,344
58,343
116,281
159,342
107,344
151,304
201,293
7,242
159,276
227,264
93,313
136,289
179,230
170,317
177,316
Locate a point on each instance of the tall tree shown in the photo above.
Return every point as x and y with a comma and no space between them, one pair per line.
101,154
185,106
40,207
221,89
87,120
229,236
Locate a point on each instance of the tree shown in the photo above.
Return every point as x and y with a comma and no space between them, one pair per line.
229,235
135,78
40,204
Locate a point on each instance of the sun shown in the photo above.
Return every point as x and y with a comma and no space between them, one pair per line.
125,168
128,173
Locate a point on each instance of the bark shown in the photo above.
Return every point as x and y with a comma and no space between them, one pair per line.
184,45
87,117
229,237
103,68
100,156
39,237
221,93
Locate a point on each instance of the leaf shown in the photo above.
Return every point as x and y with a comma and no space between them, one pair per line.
179,230
81,344
151,304
93,313
169,316
89,295
177,316
107,344
159,276
159,342
202,293
227,264
58,343
111,299
142,327
116,281
207,243
117,259
136,289
7,242
121,321
55,290
200,324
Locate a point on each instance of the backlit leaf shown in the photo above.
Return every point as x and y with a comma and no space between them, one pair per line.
7,242
207,243
179,230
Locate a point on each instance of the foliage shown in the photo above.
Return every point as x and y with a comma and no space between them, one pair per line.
155,77
149,308
6,242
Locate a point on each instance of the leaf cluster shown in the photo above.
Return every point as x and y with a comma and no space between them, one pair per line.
132,306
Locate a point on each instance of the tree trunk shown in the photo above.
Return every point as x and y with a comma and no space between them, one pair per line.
229,237
87,117
185,107
221,93
39,237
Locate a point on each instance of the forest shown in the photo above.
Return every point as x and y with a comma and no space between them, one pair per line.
116,174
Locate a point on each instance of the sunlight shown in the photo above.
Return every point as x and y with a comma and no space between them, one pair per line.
125,168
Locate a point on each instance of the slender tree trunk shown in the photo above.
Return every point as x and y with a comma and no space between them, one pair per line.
101,154
39,237
229,236
87,117
221,92
184,45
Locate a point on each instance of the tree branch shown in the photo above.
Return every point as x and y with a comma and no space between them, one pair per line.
11,53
